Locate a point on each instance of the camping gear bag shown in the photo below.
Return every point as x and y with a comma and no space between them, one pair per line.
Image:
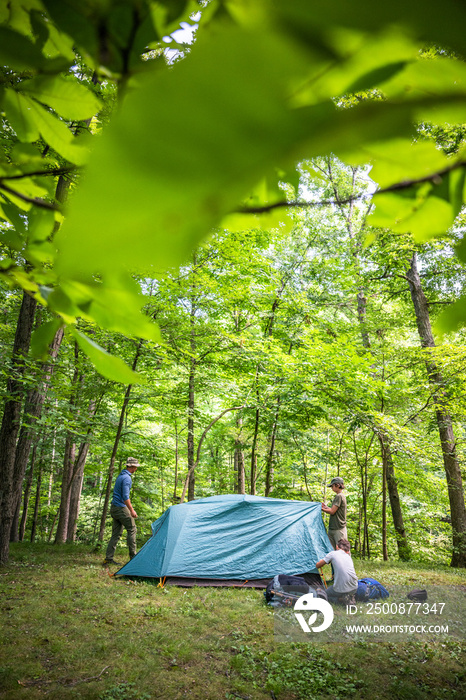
284,590
370,589
418,594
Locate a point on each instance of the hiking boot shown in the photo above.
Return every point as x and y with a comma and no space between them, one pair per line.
348,599
110,561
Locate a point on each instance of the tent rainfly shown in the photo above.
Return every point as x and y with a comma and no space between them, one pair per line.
232,540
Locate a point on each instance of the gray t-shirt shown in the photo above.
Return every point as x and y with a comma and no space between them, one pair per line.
344,575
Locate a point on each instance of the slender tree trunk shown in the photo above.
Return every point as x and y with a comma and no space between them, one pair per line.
384,512
444,421
192,388
11,422
362,306
69,456
68,464
404,551
176,463
78,477
190,441
27,492
32,412
269,470
254,452
239,459
388,471
37,499
75,491
108,487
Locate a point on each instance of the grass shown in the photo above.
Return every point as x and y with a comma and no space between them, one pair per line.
71,630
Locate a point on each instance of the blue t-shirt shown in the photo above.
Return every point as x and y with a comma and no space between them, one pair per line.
122,488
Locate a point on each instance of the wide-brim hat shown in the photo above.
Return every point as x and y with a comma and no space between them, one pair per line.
132,462
337,480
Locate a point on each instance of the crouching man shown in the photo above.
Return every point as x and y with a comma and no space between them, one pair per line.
345,581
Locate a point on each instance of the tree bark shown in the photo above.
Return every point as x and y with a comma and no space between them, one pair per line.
32,412
404,551
269,468
239,460
68,458
37,499
11,422
192,388
190,440
444,421
388,472
108,487
75,490
68,463
27,492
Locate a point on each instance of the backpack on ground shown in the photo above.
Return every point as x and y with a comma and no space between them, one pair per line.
370,589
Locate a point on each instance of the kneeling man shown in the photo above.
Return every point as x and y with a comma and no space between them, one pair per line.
345,581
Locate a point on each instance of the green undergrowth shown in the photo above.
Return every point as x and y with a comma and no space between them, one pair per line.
72,630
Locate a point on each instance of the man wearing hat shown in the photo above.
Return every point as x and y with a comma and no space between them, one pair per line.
337,511
122,512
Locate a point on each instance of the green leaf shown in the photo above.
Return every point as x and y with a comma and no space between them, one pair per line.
43,336
453,317
69,98
56,133
170,179
69,17
41,223
18,51
434,76
41,252
376,77
427,23
17,112
14,217
400,160
415,210
112,305
107,365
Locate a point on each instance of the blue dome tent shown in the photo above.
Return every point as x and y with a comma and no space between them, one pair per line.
232,540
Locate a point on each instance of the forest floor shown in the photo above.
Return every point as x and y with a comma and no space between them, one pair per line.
72,630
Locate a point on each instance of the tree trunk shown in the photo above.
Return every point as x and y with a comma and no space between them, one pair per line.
190,441
388,471
37,500
78,477
75,491
32,412
269,469
239,460
68,458
68,463
254,451
11,422
192,387
175,498
444,421
404,551
27,492
108,487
